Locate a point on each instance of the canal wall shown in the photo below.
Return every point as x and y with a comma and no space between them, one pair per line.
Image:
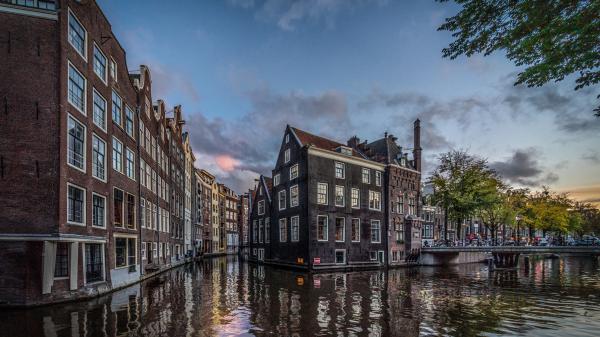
451,258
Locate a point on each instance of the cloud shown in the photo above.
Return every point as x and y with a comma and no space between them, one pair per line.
288,15
523,168
247,146
589,193
592,156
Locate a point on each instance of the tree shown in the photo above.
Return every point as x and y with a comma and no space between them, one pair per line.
550,38
495,209
550,212
590,218
461,182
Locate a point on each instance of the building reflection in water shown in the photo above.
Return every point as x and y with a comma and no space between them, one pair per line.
225,297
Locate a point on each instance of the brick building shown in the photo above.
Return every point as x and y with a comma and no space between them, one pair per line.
89,201
205,180
242,223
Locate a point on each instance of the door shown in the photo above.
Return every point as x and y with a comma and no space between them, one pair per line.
380,257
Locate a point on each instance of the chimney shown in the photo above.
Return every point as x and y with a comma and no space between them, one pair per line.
353,142
417,145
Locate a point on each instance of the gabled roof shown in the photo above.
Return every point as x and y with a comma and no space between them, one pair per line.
307,138
387,151
267,184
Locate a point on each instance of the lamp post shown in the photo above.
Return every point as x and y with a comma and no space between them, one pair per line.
518,219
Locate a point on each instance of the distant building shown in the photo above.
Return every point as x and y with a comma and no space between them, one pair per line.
242,221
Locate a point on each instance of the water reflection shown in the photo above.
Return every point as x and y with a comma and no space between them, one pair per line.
225,297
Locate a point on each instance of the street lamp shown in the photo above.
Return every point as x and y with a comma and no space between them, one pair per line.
518,219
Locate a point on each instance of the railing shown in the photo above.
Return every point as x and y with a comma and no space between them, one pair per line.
76,159
98,171
49,5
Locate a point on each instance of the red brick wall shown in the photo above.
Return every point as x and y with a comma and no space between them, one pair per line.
28,124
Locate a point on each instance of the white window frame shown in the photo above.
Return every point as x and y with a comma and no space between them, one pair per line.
352,227
96,92
282,192
126,237
294,200
120,124
126,161
326,228
107,64
84,144
362,174
84,216
352,204
282,233
335,256
113,69
261,205
343,170
343,189
294,168
276,179
295,228
326,193
287,138
372,197
112,154
85,38
343,229
379,231
102,248
287,155
105,213
131,135
378,178
83,112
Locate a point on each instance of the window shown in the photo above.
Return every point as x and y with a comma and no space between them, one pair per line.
261,207
255,231
76,144
355,198
412,207
75,205
276,180
375,200
355,230
99,112
339,196
98,211
117,155
125,252
322,193
77,35
130,163
375,231
427,231
282,200
294,196
295,227
129,127
118,207
99,63
76,95
143,212
130,212
267,230
400,204
294,172
366,176
283,230
377,178
94,263
260,230
117,106
373,255
394,256
143,251
340,256
340,170
61,267
287,155
113,69
287,138
322,228
340,229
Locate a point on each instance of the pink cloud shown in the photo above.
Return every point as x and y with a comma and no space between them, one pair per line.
226,162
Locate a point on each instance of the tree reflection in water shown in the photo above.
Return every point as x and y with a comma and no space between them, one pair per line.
225,297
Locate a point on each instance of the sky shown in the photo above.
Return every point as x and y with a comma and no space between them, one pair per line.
244,69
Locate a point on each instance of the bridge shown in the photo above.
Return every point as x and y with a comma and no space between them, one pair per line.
503,257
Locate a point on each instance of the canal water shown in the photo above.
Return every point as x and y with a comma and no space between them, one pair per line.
226,297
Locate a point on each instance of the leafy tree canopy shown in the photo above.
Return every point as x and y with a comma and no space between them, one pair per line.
550,38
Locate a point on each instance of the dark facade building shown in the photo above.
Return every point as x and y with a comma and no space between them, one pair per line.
259,221
78,210
331,205
242,223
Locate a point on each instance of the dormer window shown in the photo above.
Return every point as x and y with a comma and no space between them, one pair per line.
287,156
287,138
344,150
